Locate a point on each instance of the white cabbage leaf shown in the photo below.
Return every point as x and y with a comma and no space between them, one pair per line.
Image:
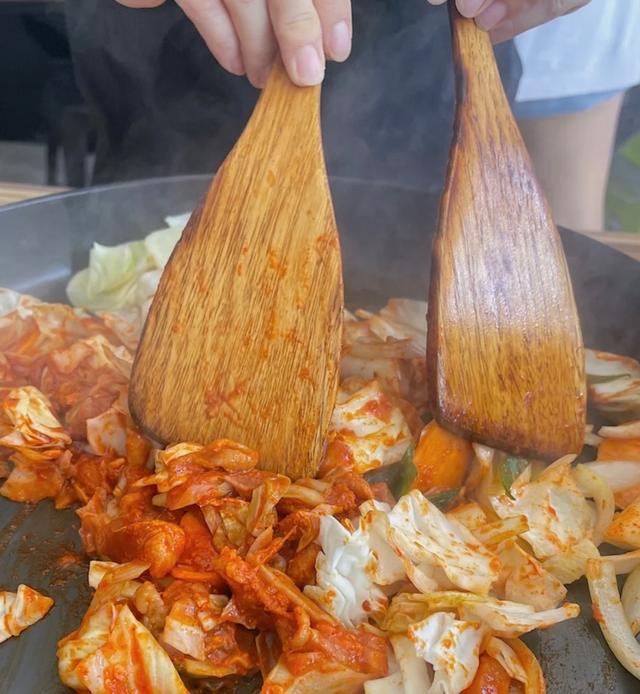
345,574
557,513
20,610
452,647
123,276
388,567
386,685
112,645
30,426
107,433
422,535
526,580
332,678
570,565
373,428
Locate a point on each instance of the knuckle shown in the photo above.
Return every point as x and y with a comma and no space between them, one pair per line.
294,21
304,20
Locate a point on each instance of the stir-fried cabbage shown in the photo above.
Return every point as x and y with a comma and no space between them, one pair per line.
30,426
524,579
425,538
344,574
331,678
112,645
452,647
372,428
557,513
212,569
416,677
20,610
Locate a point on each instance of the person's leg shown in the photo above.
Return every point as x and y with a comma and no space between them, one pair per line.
572,154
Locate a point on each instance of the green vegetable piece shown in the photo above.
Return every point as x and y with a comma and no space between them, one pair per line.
407,473
398,476
426,418
442,500
510,469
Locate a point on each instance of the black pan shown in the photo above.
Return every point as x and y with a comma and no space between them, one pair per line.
386,239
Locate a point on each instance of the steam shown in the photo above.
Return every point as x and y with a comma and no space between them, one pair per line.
388,111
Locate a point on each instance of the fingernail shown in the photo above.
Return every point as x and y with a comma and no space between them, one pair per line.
308,67
340,41
492,16
469,8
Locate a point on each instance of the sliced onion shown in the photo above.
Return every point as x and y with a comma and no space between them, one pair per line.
617,474
535,679
624,563
620,399
608,612
391,683
628,430
593,486
508,658
631,600
607,365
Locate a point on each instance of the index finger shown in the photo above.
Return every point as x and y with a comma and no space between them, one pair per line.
299,34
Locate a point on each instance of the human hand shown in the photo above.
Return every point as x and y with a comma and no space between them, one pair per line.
504,19
244,35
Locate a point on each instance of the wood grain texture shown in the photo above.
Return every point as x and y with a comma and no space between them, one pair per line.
505,355
244,334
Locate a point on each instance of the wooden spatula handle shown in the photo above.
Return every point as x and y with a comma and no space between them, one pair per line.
477,76
280,100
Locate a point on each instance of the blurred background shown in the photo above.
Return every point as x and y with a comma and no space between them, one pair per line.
49,132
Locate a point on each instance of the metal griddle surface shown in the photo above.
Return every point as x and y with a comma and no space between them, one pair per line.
386,238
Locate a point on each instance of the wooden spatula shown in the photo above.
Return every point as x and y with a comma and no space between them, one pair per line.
244,334
505,356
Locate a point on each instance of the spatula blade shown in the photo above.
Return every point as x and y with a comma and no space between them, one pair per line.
243,337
